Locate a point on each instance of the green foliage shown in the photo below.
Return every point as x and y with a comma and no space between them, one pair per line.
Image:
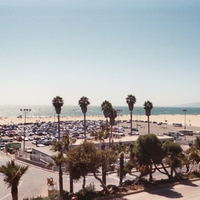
83,159
173,154
171,148
13,173
90,187
106,107
85,194
148,105
193,153
197,142
130,100
83,101
86,158
148,148
53,196
62,145
58,103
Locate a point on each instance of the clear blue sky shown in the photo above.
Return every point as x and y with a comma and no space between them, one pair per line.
101,49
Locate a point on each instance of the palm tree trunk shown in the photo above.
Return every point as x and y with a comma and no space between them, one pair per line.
102,183
131,116
103,165
85,125
14,192
84,182
150,174
61,183
71,184
58,127
121,168
148,125
110,136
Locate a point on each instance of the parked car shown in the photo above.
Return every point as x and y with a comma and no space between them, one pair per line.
40,145
28,149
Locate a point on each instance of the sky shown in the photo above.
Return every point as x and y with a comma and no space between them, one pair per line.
101,49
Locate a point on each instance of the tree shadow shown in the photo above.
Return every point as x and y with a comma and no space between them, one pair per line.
188,183
168,192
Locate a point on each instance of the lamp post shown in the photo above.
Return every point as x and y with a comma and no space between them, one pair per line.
137,120
25,112
165,120
118,113
184,110
75,113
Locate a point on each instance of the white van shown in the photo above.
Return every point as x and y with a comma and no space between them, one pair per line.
117,135
197,132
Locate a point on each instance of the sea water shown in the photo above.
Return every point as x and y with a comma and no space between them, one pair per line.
48,110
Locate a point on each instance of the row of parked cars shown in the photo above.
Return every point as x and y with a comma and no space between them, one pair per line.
44,133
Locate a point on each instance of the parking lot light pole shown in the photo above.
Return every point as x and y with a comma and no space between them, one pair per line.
75,113
118,113
185,121
25,111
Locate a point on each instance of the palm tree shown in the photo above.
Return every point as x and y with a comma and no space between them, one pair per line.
59,160
112,116
83,103
106,107
13,174
148,106
58,103
131,100
62,147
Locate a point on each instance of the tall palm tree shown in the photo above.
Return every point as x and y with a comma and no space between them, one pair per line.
59,160
112,116
83,103
148,106
13,174
106,107
61,147
58,103
131,100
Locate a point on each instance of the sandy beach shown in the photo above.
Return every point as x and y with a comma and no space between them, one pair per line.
190,120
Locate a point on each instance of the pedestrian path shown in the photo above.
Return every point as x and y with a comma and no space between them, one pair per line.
4,158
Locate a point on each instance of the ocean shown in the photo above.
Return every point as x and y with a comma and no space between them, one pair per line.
41,110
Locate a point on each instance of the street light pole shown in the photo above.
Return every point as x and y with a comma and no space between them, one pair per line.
118,113
75,113
25,112
165,120
137,120
185,122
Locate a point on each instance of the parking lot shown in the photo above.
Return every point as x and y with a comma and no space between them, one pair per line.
41,135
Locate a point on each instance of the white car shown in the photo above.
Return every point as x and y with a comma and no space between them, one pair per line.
197,132
28,149
40,145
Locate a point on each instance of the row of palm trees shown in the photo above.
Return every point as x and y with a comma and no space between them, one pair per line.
107,108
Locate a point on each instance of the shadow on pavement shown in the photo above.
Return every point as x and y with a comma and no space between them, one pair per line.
188,183
166,192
